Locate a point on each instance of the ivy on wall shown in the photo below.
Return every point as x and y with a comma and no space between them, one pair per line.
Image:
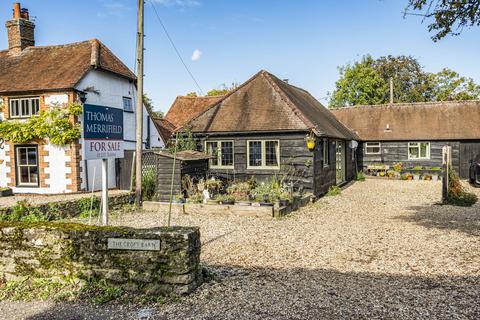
54,124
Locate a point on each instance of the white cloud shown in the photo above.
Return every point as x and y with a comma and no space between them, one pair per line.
178,3
196,55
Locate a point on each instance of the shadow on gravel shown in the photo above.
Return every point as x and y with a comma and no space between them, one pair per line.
463,219
256,293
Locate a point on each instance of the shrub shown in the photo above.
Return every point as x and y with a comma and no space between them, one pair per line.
457,195
22,211
334,191
86,203
398,167
149,184
360,176
195,198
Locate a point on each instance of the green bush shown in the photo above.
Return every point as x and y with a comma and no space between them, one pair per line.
457,195
22,211
149,184
85,203
360,176
334,191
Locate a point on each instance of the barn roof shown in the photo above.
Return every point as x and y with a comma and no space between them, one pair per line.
164,127
266,103
41,68
185,109
453,120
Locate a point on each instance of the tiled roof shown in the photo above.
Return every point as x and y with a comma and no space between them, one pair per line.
56,67
164,128
453,120
266,103
185,109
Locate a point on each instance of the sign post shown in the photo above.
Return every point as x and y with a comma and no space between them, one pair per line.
103,139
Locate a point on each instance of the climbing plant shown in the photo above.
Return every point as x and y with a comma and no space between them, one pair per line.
54,124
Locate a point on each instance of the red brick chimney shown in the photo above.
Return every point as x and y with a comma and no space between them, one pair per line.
21,31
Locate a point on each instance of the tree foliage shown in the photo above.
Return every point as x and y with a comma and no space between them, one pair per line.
184,140
148,103
223,90
450,16
368,82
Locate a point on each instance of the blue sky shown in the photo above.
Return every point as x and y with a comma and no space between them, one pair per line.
304,41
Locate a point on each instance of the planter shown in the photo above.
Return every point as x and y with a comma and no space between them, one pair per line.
283,202
244,203
227,202
409,178
266,204
6,192
427,178
210,201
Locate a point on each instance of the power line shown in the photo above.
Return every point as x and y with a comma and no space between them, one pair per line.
175,47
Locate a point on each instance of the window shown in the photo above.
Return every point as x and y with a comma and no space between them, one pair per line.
127,104
263,154
24,107
418,150
372,148
27,165
326,153
222,152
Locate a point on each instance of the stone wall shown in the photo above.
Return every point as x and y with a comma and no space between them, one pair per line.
74,251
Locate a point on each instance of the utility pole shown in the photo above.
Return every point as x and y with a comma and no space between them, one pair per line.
391,90
139,145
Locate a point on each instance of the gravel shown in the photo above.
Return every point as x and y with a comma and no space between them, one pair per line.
382,249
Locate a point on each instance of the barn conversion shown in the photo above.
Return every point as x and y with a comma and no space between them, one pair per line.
260,130
415,133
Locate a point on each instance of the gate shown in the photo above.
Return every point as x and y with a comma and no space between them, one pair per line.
468,150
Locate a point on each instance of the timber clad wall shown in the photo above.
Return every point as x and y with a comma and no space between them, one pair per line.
294,155
397,151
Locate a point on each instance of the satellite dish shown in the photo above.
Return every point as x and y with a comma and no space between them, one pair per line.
353,144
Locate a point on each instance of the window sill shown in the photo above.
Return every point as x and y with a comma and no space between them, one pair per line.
263,168
220,168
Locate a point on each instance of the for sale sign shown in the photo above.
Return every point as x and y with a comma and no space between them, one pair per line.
102,132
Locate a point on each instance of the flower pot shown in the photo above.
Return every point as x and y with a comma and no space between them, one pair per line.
428,178
409,178
434,178
416,177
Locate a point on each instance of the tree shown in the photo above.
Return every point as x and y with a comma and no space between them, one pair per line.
192,94
367,82
450,16
217,92
449,85
148,103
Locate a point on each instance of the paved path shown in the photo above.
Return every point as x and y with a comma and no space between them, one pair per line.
382,249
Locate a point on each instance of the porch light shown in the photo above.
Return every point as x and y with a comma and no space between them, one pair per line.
310,139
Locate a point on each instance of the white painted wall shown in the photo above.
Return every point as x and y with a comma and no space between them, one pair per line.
4,181
57,159
110,92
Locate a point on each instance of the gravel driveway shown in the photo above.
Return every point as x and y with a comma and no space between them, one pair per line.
382,249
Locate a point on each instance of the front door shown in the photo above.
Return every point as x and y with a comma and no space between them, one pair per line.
340,161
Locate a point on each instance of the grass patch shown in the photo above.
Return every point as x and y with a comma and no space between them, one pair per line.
360,176
334,191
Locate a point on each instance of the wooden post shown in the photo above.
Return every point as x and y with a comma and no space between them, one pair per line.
446,162
139,115
105,192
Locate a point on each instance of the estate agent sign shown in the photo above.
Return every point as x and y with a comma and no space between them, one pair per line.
102,132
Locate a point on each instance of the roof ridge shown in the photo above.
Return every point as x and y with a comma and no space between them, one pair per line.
200,97
405,104
271,79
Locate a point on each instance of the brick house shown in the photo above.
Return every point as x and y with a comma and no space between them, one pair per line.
34,78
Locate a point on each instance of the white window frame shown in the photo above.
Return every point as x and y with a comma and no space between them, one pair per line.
264,155
219,154
326,152
18,166
18,102
131,104
373,145
418,145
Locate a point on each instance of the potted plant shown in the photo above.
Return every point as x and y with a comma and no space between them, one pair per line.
390,174
6,192
427,177
195,198
266,202
226,199
310,139
409,177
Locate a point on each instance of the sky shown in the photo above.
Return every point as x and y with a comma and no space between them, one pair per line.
225,41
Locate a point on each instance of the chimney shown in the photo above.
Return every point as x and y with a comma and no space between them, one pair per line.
21,31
